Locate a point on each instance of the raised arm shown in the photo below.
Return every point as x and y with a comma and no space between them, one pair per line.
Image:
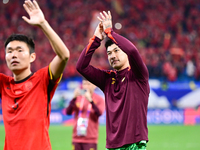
37,18
92,74
136,63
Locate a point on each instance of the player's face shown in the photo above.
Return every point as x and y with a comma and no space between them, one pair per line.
18,57
117,58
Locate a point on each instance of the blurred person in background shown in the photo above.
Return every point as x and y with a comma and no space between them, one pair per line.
26,97
87,107
126,88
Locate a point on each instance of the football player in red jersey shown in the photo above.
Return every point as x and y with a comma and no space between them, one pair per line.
26,96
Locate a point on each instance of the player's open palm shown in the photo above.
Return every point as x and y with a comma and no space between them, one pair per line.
35,13
106,19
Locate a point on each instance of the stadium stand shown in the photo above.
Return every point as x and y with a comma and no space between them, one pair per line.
167,33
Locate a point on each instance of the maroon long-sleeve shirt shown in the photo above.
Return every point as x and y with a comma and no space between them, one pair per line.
126,92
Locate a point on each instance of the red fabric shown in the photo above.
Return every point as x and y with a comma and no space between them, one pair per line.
108,32
24,108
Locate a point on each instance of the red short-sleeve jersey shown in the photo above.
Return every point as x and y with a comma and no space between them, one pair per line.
26,107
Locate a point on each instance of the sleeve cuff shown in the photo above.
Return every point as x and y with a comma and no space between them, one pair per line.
97,39
108,30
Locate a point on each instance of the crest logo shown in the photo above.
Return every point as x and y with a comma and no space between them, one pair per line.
113,81
28,86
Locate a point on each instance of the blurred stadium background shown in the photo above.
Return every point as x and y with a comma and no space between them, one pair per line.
167,35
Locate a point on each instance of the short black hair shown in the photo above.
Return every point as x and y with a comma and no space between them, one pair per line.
21,38
108,43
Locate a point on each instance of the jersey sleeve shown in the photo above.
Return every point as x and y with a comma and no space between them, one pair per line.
46,75
92,74
51,76
49,84
136,63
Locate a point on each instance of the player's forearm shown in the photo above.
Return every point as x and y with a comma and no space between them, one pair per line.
92,74
86,55
57,44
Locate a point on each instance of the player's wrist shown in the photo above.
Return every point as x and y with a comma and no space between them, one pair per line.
44,25
108,30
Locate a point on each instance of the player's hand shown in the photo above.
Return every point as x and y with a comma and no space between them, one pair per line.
106,20
99,32
35,13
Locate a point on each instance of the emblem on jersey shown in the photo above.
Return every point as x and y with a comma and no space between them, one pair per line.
28,86
113,81
123,79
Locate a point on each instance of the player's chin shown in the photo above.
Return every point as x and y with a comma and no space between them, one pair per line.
15,68
116,67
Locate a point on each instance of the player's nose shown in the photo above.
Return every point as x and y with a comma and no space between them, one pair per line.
14,54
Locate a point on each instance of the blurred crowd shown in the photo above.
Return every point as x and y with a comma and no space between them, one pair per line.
166,33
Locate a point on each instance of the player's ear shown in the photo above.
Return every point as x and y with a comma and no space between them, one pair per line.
32,57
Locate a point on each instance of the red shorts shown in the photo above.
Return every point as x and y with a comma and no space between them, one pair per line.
84,146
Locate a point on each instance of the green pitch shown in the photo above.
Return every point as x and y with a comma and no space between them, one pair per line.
161,137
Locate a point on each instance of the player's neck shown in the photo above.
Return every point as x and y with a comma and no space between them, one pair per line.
21,75
123,67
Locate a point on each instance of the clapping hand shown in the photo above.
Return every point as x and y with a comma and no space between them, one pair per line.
106,20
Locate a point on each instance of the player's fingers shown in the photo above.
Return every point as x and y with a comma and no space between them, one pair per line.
106,15
99,19
25,19
36,4
30,4
26,8
102,16
109,14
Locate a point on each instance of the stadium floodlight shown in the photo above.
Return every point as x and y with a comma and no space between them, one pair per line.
118,26
5,1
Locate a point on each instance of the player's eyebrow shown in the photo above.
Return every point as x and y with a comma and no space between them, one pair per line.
112,49
13,48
